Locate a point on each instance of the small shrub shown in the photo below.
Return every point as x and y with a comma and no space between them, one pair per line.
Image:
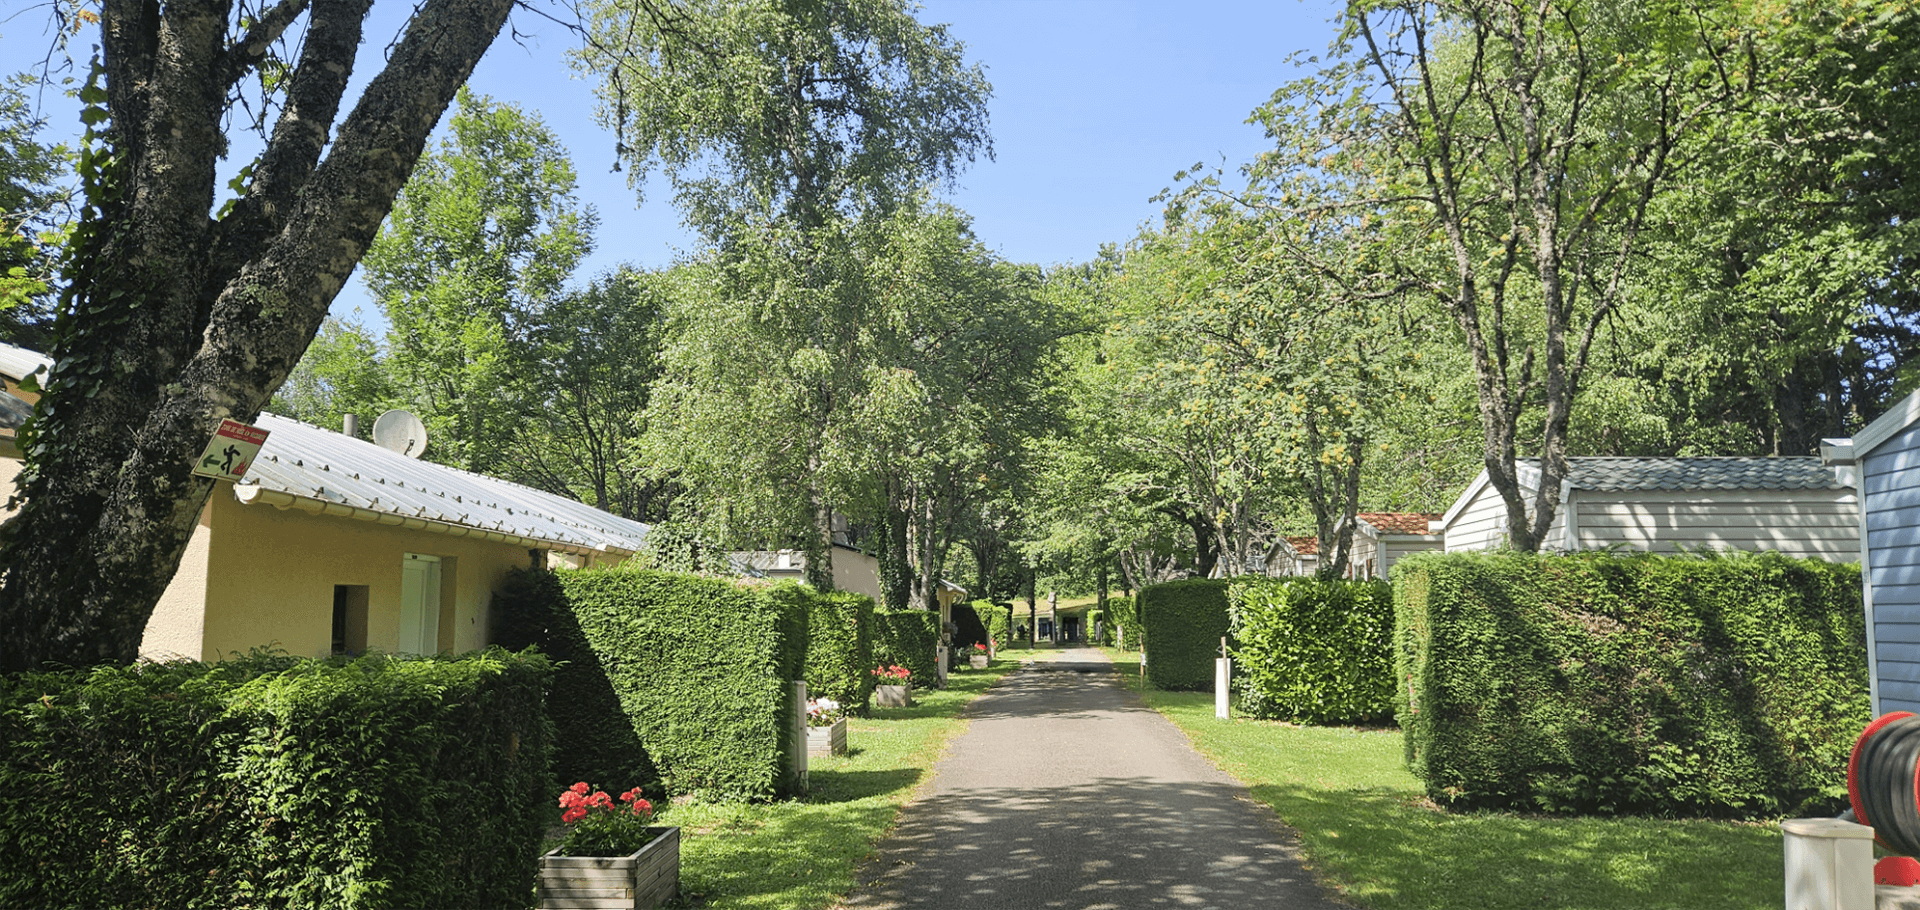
1184,621
1314,650
998,619
969,628
1124,613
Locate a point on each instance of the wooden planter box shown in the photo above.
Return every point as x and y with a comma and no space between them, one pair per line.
893,696
979,661
830,740
640,881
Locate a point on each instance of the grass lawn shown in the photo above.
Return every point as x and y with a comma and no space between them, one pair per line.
801,854
1369,832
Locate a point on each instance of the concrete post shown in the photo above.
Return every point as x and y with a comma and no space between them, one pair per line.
1222,677
1829,864
940,658
800,736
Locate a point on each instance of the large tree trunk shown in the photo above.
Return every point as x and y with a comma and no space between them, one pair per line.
175,320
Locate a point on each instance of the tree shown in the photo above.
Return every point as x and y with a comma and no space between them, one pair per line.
174,318
783,125
34,210
1513,151
479,244
343,372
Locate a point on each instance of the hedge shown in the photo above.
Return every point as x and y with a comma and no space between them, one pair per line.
278,782
1184,622
702,670
1123,613
1096,619
1727,686
597,743
840,649
998,618
969,628
910,638
1318,651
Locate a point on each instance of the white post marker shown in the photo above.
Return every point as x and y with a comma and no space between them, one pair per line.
233,448
799,721
1829,864
1222,678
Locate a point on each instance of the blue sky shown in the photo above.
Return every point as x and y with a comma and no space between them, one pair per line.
1097,103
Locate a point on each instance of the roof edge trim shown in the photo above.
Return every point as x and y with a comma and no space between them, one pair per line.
250,494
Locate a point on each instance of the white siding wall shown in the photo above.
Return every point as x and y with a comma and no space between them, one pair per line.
1365,549
1393,547
1482,525
1823,524
1890,483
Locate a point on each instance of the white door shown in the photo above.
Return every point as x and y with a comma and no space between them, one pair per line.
420,604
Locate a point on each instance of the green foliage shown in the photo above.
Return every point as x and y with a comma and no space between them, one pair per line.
1097,619
702,669
482,237
1647,684
1314,650
1184,622
33,213
998,620
595,740
970,627
1124,613
909,638
273,781
840,649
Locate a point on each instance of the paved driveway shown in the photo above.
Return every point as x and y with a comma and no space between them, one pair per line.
1066,792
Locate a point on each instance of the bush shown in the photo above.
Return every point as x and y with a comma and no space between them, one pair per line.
595,740
1312,650
702,669
1097,621
909,638
269,780
1184,621
1123,613
998,618
1630,683
970,628
840,649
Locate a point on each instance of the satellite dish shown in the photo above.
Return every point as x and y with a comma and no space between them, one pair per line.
400,431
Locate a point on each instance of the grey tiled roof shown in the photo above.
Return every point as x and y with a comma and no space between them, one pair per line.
1797,472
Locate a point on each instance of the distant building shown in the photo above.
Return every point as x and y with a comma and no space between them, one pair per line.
1792,505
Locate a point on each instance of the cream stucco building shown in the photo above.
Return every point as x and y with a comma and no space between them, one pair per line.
335,545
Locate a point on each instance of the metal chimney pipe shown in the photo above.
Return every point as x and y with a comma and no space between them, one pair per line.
350,425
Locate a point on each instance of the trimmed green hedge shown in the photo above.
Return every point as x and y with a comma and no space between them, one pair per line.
1124,614
840,649
1096,619
1727,686
1184,621
1319,651
274,781
596,741
969,628
910,638
998,620
702,669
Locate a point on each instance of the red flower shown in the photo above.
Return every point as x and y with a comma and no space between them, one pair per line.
580,788
642,808
573,815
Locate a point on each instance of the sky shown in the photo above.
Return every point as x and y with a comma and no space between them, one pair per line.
1096,105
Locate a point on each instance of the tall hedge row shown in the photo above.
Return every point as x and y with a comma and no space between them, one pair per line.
1629,683
275,782
998,619
1124,614
1184,622
910,638
1319,651
840,648
969,628
702,669
597,742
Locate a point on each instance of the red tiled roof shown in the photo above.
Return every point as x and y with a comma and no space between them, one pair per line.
1305,546
1398,522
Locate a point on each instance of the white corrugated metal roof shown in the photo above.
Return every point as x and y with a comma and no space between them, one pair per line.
303,466
18,363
